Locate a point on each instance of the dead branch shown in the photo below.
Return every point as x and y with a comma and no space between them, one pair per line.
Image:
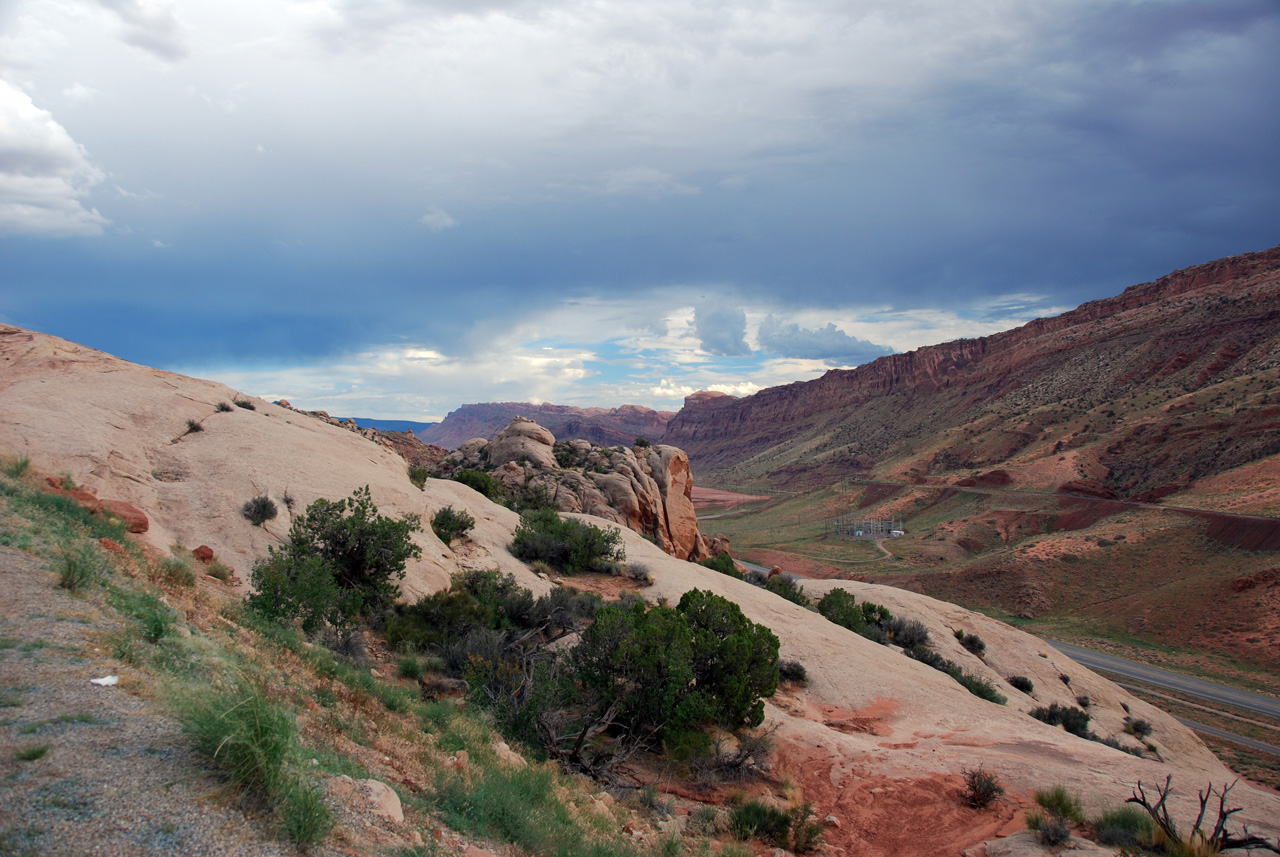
1219,839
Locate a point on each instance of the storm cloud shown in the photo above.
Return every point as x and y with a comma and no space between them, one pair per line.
280,187
722,331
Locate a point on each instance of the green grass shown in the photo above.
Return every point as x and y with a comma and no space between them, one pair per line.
174,571
303,817
31,754
757,820
409,667
54,519
1060,802
15,466
246,735
80,565
1125,826
518,806
155,620
38,725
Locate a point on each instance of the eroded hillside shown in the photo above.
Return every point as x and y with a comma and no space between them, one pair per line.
873,735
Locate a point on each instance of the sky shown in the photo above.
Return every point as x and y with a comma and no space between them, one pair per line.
390,208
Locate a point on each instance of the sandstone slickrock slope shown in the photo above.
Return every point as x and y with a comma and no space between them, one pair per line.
1213,328
601,426
874,736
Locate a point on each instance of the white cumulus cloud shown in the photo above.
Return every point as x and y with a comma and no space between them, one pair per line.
44,173
437,219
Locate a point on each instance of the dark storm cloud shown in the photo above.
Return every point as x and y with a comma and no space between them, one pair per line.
452,169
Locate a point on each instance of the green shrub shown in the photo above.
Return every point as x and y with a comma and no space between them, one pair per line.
485,599
723,563
419,475
289,587
1054,831
224,408
448,524
409,667
642,443
735,660
482,482
367,551
245,403
1073,720
638,571
839,606
785,586
641,663
981,788
972,642
532,497
1021,682
908,633
976,685
1059,802
435,619
516,805
754,819
981,688
569,545
259,510
1137,728
793,672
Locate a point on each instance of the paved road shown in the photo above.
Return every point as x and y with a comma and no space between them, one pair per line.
1173,681
1230,736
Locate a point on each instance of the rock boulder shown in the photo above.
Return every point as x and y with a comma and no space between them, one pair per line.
646,489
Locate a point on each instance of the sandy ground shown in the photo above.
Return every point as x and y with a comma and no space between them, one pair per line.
715,497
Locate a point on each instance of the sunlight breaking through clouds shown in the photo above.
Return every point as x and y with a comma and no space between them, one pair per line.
592,352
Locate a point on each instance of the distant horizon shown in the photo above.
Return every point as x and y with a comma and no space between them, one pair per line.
396,209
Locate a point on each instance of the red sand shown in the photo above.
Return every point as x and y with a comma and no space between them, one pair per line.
881,816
